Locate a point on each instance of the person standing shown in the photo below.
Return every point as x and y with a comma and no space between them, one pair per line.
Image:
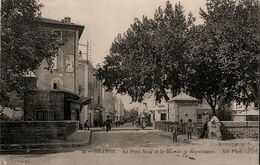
215,121
182,127
189,128
108,124
86,124
205,120
175,129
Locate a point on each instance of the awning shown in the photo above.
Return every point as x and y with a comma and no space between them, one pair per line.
86,100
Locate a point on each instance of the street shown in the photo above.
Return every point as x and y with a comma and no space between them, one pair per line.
132,147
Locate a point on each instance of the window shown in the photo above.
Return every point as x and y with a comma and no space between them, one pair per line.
56,83
256,104
57,33
55,62
69,63
163,116
55,86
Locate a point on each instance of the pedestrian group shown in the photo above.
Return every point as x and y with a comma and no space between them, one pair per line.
208,121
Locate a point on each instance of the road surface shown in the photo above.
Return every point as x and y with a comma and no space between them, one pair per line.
132,147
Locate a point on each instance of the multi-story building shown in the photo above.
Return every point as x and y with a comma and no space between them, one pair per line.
64,72
90,87
57,88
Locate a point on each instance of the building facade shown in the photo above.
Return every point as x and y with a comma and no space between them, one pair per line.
64,71
119,110
90,87
58,85
242,112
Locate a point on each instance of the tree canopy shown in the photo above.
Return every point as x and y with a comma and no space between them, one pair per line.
216,60
23,45
149,56
224,52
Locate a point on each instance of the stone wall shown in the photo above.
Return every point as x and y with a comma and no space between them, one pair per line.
229,129
240,130
20,132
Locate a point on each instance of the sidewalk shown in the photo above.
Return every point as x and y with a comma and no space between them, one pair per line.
76,140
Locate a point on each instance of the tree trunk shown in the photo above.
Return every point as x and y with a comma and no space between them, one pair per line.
211,102
166,97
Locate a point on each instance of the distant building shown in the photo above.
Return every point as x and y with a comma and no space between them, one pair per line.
109,101
241,112
90,87
161,112
119,110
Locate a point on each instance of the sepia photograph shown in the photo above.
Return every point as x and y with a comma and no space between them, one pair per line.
129,82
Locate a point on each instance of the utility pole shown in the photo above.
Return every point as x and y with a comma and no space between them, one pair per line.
86,68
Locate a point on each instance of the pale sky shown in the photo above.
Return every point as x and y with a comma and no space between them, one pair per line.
105,19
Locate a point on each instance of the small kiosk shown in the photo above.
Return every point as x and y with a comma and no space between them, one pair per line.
183,107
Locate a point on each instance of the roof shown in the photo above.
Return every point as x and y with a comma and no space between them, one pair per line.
62,23
183,97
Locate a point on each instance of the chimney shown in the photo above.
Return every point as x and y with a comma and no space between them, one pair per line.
67,20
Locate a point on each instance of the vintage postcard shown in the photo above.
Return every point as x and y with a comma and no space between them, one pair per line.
129,82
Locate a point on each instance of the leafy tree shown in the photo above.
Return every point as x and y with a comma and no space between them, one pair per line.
223,52
23,45
149,56
206,77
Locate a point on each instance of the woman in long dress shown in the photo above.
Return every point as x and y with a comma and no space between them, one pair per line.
215,121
